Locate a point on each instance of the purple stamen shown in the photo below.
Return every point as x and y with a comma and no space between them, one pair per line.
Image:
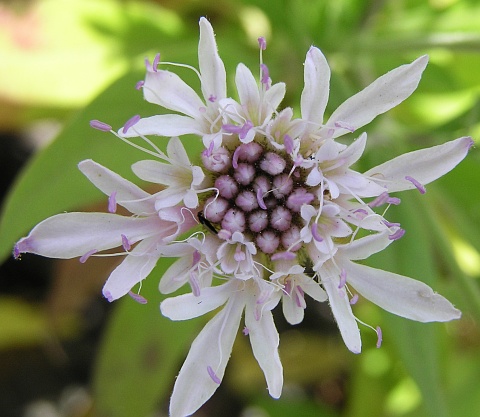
125,243
84,258
239,256
245,331
156,60
419,186
213,375
354,299
139,85
397,235
242,130
212,98
260,201
265,76
379,336
380,200
343,279
315,234
394,200
112,202
209,151
344,125
389,224
130,122
16,252
97,124
288,142
137,297
262,43
196,258
194,284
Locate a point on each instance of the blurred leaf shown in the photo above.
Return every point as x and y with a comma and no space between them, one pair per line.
418,343
141,353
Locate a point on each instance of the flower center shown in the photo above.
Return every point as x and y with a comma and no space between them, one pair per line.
260,194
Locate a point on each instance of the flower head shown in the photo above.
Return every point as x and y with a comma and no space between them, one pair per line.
272,209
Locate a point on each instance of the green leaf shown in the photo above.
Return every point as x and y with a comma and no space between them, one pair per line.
140,355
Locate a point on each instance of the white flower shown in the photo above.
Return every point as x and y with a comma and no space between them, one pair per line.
205,364
199,116
69,235
274,210
182,179
395,293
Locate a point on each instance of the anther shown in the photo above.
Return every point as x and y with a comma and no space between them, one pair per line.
193,281
354,299
397,235
137,297
97,124
84,258
288,142
156,61
265,76
130,122
316,235
379,336
112,202
139,85
343,279
213,375
125,243
262,43
419,186
260,200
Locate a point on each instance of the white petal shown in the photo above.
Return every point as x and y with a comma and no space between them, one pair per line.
188,306
265,340
69,235
134,268
313,289
292,312
364,247
177,274
168,90
342,311
272,99
353,153
403,296
425,165
177,152
163,125
160,173
211,348
317,84
211,66
383,94
108,182
247,91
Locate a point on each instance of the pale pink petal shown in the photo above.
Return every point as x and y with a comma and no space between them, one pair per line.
400,295
210,350
383,94
342,311
188,306
366,246
168,90
247,91
69,235
212,70
265,340
425,165
164,125
134,268
129,195
317,84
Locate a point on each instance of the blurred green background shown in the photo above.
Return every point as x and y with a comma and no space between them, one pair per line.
66,352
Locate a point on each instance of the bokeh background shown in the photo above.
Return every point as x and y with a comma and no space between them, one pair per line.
67,352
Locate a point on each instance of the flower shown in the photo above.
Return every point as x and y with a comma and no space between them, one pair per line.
271,211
